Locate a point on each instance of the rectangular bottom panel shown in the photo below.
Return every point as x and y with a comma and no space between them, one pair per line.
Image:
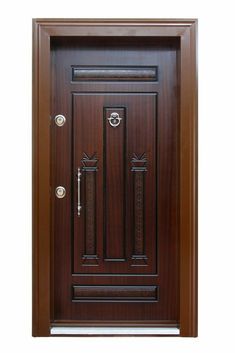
115,293
115,331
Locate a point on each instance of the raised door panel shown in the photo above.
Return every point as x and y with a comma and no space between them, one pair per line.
115,231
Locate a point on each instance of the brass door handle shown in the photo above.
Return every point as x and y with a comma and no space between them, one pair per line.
79,191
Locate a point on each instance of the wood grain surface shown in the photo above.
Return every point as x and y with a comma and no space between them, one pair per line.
156,245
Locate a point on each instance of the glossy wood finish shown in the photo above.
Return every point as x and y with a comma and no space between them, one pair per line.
43,254
115,239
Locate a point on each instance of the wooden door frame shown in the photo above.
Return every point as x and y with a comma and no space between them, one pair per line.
186,31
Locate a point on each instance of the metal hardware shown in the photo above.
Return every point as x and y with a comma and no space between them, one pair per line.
60,120
79,185
114,119
60,192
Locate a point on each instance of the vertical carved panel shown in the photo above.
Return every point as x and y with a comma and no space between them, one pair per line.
89,171
90,213
114,181
139,213
139,168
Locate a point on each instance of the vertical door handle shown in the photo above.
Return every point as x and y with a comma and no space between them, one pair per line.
79,192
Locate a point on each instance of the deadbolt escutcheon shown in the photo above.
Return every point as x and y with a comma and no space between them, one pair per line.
60,120
60,192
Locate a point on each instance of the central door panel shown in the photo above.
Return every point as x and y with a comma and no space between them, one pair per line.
116,229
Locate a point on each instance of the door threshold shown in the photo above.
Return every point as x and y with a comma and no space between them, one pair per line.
68,330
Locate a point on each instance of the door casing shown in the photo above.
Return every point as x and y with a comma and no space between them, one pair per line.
186,31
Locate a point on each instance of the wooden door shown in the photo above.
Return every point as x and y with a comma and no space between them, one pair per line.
114,177
116,228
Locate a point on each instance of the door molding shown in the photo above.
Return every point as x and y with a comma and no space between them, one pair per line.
186,31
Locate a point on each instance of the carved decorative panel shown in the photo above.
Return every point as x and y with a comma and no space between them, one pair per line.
115,232
114,182
139,168
89,170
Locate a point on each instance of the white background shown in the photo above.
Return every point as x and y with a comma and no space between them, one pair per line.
216,173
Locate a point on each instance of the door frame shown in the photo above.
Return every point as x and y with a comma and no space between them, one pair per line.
186,32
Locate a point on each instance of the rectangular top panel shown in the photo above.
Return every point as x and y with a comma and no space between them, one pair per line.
112,73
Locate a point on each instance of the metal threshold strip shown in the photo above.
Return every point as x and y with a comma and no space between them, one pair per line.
114,330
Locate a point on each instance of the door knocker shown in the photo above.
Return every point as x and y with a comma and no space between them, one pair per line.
114,119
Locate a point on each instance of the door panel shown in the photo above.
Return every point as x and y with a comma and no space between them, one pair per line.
115,232
118,167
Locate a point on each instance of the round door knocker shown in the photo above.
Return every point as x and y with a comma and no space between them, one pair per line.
114,119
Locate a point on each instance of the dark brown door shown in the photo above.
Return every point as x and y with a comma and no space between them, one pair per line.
115,181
